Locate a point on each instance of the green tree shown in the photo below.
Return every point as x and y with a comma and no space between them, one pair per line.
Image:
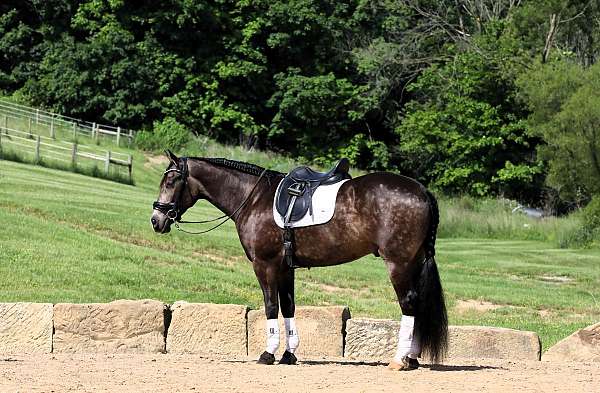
565,102
464,132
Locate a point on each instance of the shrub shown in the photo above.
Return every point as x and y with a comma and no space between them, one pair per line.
166,134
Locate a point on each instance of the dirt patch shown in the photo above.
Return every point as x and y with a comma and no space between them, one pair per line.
556,279
463,306
332,288
152,161
227,261
178,373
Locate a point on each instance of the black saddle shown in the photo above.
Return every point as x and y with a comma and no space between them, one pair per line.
294,197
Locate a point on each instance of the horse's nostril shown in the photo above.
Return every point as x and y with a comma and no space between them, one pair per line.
153,221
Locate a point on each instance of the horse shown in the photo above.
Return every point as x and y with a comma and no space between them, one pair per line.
391,216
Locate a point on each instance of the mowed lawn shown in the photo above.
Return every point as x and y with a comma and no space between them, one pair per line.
69,238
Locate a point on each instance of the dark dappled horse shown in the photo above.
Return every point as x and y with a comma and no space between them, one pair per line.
381,213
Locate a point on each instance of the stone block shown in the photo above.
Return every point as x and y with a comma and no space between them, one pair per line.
372,339
481,342
214,330
321,331
131,326
25,328
581,346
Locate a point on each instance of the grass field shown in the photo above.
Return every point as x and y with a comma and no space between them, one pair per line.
69,238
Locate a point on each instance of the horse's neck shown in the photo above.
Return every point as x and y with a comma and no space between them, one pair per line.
226,188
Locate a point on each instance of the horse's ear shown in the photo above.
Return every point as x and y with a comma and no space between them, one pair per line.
172,157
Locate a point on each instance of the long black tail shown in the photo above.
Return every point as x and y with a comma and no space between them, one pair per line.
431,322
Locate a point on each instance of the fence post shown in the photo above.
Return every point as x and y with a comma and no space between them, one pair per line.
74,132
118,135
0,140
37,150
6,124
129,165
29,128
37,116
130,138
74,155
52,128
107,162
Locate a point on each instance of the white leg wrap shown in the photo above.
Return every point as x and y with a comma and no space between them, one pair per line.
408,344
292,340
272,336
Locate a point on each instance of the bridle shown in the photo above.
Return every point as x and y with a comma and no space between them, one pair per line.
172,209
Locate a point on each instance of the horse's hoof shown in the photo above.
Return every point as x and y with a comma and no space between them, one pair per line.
288,358
266,358
407,364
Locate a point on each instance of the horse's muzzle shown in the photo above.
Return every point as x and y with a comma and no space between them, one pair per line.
160,225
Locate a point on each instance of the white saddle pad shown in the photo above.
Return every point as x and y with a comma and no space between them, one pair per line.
323,204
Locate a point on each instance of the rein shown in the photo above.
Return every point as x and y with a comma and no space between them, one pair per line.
171,210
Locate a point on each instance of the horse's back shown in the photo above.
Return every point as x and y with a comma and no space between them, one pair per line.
387,189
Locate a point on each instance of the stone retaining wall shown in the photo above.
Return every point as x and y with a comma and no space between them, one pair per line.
225,330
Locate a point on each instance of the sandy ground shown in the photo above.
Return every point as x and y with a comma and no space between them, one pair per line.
189,373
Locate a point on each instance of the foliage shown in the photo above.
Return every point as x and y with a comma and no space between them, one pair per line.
565,106
166,134
464,131
424,87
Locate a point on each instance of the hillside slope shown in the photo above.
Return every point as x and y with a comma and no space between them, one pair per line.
69,238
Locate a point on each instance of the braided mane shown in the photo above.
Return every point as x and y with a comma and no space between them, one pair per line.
240,166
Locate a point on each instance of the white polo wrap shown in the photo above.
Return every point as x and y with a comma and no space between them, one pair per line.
292,340
272,336
408,343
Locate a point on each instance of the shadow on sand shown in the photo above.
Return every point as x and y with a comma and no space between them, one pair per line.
341,362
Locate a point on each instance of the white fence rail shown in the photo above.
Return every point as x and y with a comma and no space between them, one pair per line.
69,154
52,120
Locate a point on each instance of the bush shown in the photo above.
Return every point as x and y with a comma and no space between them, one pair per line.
167,134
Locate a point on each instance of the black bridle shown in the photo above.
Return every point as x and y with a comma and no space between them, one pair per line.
172,209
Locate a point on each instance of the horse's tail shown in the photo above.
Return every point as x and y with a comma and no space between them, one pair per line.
431,322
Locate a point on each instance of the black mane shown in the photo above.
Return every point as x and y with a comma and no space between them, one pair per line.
240,166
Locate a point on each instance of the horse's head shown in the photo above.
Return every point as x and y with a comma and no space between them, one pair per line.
174,197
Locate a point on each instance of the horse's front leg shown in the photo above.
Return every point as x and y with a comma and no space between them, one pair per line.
288,307
268,277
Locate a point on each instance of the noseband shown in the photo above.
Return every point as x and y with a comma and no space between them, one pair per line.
171,209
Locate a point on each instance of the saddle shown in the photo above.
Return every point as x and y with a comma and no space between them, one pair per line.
294,197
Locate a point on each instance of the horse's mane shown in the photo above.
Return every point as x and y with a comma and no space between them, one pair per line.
240,166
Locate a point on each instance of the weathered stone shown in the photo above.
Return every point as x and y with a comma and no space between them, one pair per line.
321,331
120,326
372,339
215,330
491,342
581,346
25,328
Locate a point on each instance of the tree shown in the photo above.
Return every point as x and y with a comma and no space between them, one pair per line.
565,102
464,132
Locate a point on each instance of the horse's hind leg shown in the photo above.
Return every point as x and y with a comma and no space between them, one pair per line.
402,273
288,308
268,277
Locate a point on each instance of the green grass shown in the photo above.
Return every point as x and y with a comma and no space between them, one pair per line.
69,238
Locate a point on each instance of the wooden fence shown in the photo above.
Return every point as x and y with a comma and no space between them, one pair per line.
76,126
70,154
